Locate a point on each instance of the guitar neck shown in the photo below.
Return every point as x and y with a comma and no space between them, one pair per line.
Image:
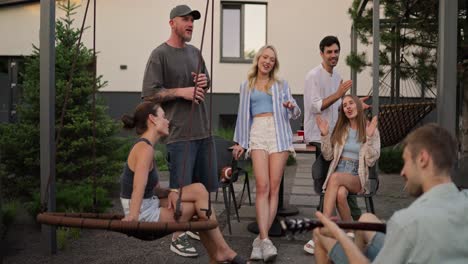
301,225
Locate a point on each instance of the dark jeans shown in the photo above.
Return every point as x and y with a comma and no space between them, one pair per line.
352,201
200,163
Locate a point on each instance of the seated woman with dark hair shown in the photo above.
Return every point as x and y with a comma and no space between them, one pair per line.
140,178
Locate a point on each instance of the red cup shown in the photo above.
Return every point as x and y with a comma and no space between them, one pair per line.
300,133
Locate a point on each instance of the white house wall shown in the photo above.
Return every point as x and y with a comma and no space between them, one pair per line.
127,32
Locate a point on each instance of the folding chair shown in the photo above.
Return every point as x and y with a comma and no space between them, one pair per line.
224,158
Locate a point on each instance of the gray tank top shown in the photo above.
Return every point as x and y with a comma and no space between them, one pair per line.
126,179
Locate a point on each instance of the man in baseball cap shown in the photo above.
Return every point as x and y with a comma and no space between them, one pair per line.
169,79
184,10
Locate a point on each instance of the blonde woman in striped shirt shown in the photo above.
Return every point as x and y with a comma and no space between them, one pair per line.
263,131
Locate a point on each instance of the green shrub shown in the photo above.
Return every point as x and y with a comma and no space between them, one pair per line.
390,160
226,133
291,160
8,213
124,144
79,198
65,234
33,206
160,157
73,197
247,166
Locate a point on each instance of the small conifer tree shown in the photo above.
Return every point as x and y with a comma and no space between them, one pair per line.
20,142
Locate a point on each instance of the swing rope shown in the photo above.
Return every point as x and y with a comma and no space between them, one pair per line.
178,211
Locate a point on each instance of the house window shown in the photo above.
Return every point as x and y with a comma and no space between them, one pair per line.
243,30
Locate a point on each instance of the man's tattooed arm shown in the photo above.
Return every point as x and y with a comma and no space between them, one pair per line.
163,95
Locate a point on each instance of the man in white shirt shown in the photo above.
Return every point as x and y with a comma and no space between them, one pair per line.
323,90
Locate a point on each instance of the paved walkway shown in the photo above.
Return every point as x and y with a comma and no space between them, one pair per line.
300,194
24,244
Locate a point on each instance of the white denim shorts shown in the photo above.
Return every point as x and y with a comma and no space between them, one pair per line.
149,210
263,135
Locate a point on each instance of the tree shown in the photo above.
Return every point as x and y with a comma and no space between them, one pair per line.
408,27
19,142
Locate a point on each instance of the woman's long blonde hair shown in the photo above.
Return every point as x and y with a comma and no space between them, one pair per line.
342,125
252,75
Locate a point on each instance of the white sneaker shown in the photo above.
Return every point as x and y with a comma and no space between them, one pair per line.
309,247
193,235
181,246
269,250
256,249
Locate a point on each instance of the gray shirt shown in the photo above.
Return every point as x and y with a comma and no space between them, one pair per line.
170,67
434,229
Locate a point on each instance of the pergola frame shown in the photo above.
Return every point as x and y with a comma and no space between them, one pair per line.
47,117
447,66
375,53
447,60
446,87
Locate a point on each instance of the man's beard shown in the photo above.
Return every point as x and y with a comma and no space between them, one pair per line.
181,34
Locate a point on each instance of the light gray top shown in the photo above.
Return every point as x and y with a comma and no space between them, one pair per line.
352,146
170,67
433,229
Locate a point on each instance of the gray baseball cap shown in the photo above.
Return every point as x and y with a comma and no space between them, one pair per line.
184,10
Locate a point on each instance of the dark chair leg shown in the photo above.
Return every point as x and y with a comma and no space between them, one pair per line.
248,187
242,195
231,190
227,204
368,209
320,206
216,197
371,204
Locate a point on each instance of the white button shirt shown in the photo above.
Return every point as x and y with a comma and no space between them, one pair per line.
319,84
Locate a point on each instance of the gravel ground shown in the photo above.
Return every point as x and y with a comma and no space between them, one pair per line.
23,241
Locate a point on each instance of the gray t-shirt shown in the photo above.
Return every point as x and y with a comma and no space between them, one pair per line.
170,67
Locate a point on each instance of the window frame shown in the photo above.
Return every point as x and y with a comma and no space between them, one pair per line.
239,5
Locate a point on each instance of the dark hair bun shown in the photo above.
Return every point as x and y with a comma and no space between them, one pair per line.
128,121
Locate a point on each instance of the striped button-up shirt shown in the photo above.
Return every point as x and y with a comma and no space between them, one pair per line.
280,93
